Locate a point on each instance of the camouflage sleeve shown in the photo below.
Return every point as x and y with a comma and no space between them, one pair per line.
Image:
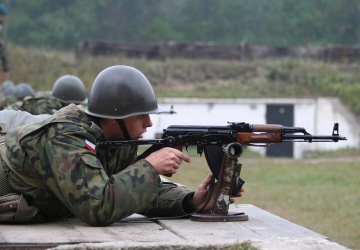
171,201
78,179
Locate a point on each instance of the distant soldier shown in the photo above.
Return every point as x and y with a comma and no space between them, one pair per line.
7,94
67,89
3,55
22,90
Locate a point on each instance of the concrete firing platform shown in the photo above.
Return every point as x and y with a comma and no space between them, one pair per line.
263,229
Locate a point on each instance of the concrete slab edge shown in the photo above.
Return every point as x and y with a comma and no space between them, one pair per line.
259,244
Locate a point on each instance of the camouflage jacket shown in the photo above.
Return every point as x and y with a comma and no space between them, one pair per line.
41,103
6,100
99,185
15,105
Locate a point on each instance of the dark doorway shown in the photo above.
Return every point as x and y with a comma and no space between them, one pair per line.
280,114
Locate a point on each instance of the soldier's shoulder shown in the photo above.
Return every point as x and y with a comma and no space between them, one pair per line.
15,105
71,111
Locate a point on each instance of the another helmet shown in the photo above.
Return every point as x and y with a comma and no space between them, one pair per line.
69,89
121,91
22,90
8,87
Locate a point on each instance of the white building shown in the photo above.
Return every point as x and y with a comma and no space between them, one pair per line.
316,115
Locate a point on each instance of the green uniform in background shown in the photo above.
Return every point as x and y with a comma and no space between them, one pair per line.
6,100
14,105
43,102
57,167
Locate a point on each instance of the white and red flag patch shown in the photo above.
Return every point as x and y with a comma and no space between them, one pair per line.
91,146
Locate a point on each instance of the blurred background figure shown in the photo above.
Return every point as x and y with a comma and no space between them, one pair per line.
66,89
21,91
7,94
3,54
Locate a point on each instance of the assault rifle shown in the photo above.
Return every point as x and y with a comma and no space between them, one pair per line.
212,139
222,146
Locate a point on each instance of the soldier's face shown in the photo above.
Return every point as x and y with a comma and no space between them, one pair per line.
136,125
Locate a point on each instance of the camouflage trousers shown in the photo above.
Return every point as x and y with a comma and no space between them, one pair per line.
14,208
4,183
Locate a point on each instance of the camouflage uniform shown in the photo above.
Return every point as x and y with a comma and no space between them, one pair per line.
56,169
41,103
6,100
15,105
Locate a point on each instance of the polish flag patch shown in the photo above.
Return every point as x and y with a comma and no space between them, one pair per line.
91,146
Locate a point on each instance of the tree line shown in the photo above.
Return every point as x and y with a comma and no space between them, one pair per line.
62,24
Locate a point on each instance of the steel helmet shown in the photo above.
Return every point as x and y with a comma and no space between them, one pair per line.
22,90
8,87
69,89
121,91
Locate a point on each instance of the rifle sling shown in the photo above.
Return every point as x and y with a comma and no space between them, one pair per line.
151,149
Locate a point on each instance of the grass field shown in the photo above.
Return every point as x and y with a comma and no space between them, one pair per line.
321,194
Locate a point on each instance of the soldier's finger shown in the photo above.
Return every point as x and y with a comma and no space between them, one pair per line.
206,182
176,166
181,155
177,160
240,193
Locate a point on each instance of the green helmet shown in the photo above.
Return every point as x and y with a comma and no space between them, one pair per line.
22,90
69,89
121,91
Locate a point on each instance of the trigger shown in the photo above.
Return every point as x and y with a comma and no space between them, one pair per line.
200,150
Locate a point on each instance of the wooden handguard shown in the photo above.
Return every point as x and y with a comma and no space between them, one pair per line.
248,138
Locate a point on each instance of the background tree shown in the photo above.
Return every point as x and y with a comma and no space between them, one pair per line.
61,24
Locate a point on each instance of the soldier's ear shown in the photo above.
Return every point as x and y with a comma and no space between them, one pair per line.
106,123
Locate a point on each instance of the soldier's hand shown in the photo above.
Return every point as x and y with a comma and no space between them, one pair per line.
201,194
167,160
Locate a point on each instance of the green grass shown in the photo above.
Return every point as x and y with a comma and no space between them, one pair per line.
321,194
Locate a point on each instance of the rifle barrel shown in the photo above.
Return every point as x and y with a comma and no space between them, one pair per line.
313,138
